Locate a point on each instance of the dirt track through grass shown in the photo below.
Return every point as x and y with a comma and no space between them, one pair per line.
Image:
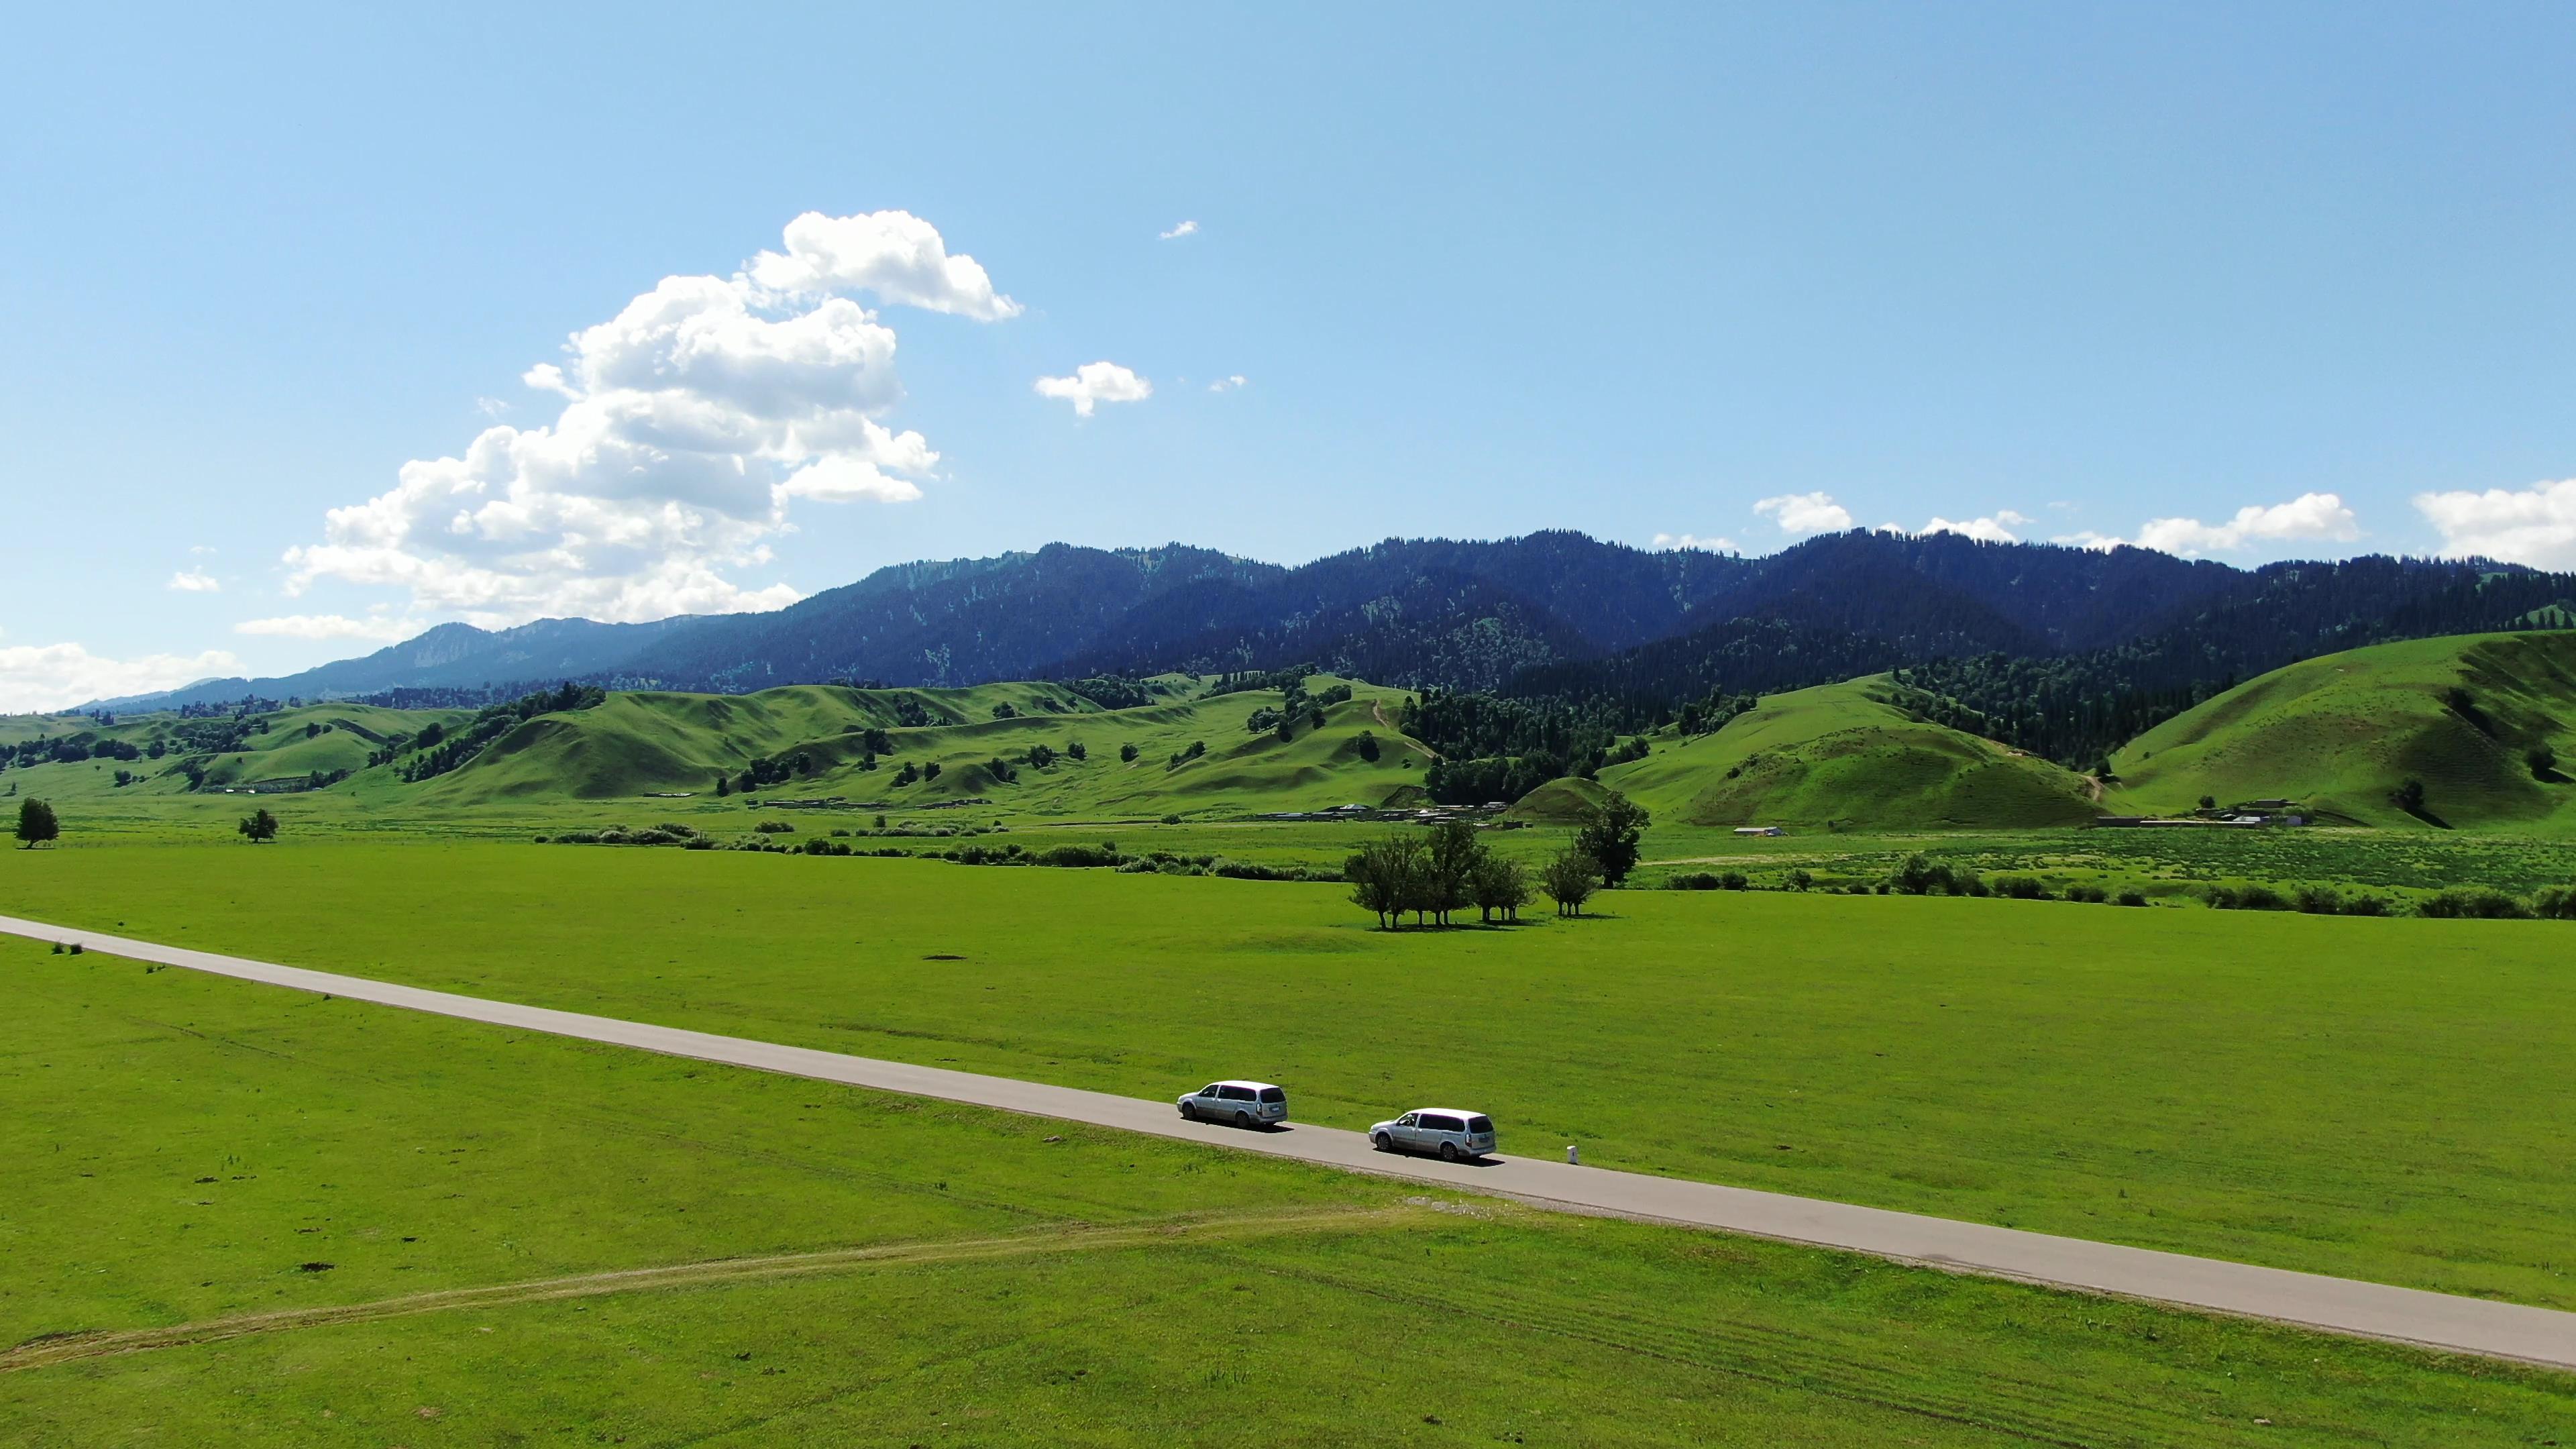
1068,1238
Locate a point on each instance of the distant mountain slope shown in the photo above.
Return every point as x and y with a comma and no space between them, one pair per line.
1857,753
1551,614
2343,732
446,656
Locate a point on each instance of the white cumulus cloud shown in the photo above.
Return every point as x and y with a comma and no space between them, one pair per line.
1805,513
690,422
895,254
1994,528
1693,540
1187,228
195,581
2309,516
58,676
2534,525
1094,383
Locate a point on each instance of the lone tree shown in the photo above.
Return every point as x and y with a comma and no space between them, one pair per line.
259,825
2543,761
36,824
2409,797
1609,836
1366,745
1128,753
1569,880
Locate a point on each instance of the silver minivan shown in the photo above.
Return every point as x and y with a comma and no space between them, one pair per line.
1245,1104
1458,1136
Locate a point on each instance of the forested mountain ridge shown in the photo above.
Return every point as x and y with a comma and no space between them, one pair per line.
2059,646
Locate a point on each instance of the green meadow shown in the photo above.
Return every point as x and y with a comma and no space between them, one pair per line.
244,1215
2369,1098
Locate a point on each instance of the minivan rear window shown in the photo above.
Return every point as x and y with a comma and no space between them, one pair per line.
1480,1124
1273,1094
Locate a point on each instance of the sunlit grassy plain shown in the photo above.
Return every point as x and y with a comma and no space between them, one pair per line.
182,1146
2371,1098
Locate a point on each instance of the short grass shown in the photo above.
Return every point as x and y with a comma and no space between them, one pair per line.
2369,1098
672,1253
1853,752
2342,732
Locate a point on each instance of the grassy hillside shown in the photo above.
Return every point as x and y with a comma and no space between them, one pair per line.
290,745
1857,753
2343,732
642,743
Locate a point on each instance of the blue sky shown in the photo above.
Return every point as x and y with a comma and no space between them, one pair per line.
2249,282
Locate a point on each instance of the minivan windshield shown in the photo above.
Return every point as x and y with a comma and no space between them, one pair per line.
1480,1124
1273,1094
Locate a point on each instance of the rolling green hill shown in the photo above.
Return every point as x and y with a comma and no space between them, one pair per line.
272,752
646,743
1857,753
2342,732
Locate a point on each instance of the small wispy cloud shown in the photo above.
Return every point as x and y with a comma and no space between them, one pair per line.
195,581
1668,541
332,626
1187,228
1227,384
1095,383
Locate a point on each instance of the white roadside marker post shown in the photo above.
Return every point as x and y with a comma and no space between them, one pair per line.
1572,1157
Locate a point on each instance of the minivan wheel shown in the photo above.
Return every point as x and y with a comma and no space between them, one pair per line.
1382,1142
1243,1120
1448,1151
1188,1114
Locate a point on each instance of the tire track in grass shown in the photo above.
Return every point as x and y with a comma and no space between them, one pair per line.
1076,1237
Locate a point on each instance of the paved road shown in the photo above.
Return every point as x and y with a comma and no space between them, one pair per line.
2340,1305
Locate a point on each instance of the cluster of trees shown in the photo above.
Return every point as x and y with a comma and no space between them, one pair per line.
1112,691
1433,873
763,771
448,752
2074,709
1244,681
1295,705
242,708
1182,757
1493,748
1449,868
912,772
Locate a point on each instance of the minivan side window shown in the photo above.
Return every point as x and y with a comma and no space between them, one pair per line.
1235,1094
1208,1091
1434,1123
1407,1119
